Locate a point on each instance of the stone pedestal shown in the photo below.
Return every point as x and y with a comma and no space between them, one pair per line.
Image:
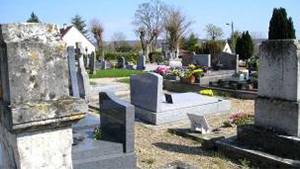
279,86
36,111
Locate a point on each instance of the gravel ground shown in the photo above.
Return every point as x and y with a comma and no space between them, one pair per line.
156,147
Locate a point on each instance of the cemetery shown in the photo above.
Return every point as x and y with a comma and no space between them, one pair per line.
72,100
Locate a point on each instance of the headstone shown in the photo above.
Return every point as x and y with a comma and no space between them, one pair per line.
199,123
82,75
277,105
141,63
203,59
117,120
151,85
85,60
72,72
36,110
229,61
92,63
98,65
121,63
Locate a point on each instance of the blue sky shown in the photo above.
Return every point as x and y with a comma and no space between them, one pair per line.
117,15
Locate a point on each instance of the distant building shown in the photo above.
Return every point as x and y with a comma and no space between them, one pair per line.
71,35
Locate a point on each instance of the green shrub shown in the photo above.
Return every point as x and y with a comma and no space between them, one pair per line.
129,56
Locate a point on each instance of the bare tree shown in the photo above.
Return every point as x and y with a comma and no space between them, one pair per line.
118,39
96,27
175,25
148,22
213,32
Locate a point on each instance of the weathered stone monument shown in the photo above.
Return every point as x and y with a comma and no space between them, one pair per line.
274,139
83,77
141,62
229,61
36,111
92,63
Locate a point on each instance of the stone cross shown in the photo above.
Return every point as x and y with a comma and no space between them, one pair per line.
72,72
141,62
36,111
83,77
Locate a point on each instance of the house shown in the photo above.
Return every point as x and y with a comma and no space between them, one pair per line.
71,35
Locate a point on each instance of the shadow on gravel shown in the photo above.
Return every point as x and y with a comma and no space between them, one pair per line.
179,148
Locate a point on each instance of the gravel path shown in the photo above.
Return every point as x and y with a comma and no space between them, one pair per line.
156,147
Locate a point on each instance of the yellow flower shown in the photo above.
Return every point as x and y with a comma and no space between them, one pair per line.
207,92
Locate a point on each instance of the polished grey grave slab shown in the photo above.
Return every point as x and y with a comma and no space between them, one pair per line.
150,105
116,147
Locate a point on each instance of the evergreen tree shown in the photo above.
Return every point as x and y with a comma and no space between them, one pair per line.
33,18
190,43
79,23
245,46
281,27
291,29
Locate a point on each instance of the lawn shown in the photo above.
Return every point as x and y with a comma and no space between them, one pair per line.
124,80
111,73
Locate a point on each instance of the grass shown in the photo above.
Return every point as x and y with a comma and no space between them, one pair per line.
111,73
93,83
124,80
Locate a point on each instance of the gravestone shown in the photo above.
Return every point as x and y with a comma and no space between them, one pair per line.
98,65
74,91
121,63
274,139
199,123
203,59
141,63
277,105
229,61
36,111
82,75
92,63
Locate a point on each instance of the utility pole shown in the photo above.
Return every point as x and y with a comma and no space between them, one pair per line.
232,32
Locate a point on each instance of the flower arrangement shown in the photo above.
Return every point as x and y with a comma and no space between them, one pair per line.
176,72
239,119
97,133
198,72
162,70
207,92
191,67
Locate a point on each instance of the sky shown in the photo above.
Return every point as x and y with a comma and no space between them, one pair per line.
117,15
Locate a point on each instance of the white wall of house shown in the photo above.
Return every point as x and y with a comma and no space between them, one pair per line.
73,36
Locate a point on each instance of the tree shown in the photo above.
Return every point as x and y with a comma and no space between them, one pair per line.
96,27
244,46
79,23
281,27
191,43
118,39
233,39
149,25
175,24
33,18
213,32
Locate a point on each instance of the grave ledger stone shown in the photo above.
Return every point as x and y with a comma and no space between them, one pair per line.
36,111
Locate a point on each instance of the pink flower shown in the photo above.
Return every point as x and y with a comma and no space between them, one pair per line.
162,70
